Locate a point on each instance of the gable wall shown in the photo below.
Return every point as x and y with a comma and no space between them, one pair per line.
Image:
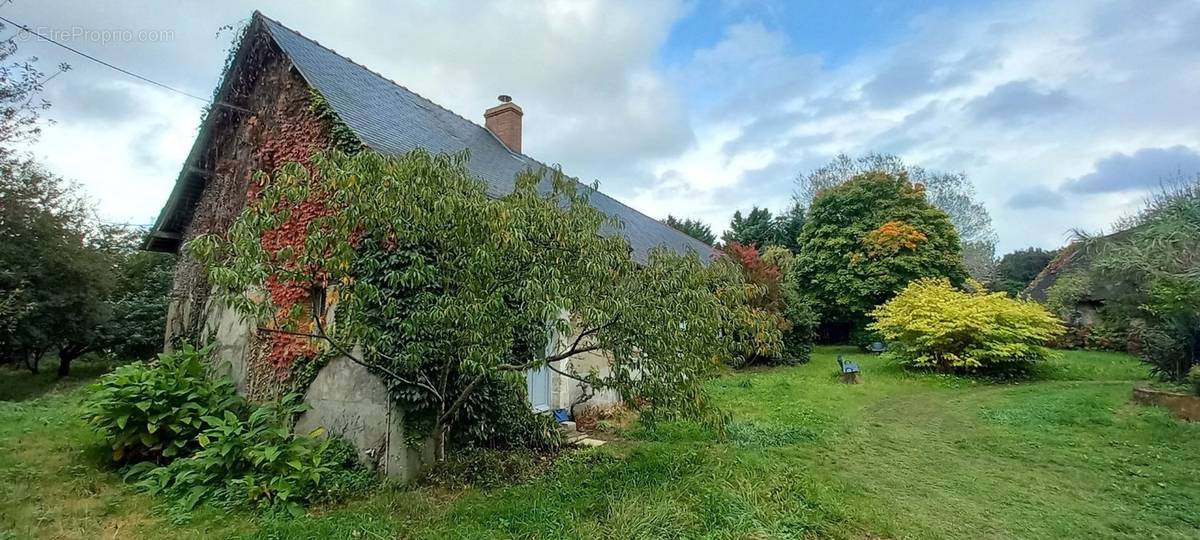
280,127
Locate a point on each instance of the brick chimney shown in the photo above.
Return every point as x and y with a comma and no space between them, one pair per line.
504,120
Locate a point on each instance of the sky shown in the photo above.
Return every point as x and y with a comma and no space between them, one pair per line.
1065,114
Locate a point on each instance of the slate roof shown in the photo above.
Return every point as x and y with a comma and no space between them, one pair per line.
392,119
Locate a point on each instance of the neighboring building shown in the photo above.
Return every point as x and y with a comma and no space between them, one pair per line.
273,106
1083,315
1069,259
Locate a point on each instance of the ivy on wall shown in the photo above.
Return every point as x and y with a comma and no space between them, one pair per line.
287,122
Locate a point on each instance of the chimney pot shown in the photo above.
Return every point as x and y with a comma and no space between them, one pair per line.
504,120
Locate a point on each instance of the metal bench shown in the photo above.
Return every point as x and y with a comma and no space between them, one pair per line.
849,371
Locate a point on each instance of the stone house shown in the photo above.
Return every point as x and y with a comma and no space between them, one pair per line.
282,97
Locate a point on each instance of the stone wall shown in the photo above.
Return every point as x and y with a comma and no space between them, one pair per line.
566,391
1185,406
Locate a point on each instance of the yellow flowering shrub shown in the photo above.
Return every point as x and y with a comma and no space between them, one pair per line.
932,324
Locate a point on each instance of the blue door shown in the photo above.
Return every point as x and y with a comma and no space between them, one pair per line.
538,381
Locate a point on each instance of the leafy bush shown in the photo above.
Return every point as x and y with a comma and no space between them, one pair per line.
798,339
756,321
932,324
498,416
755,337
348,476
155,411
219,447
255,460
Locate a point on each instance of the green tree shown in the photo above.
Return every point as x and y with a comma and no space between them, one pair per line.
441,287
787,228
692,227
21,82
139,297
758,326
53,272
952,192
71,284
1017,269
754,229
866,239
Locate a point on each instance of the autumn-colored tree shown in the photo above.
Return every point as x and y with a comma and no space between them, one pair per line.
753,326
866,239
774,325
952,192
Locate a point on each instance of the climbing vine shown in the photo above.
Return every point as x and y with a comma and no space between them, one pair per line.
278,118
341,137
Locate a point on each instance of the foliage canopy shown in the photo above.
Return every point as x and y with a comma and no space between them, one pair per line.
759,228
1148,276
757,325
932,324
1017,269
193,437
692,227
952,192
866,239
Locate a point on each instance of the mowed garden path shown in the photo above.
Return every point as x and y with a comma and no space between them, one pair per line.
903,455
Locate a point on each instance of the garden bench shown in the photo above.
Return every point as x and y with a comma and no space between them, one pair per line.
849,371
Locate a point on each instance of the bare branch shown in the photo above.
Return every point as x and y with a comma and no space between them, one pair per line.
462,398
350,356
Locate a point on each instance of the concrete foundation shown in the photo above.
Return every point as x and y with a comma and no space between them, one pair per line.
350,401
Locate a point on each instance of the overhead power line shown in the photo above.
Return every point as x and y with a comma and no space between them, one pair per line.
26,28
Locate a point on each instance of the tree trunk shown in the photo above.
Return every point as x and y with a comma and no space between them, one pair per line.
33,358
439,442
65,364
65,357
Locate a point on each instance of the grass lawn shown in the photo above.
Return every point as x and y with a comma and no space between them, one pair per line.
903,455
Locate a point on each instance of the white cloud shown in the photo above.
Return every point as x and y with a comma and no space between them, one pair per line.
728,128
582,70
1060,84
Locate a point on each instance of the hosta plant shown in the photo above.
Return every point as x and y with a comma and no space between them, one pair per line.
156,410
256,460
